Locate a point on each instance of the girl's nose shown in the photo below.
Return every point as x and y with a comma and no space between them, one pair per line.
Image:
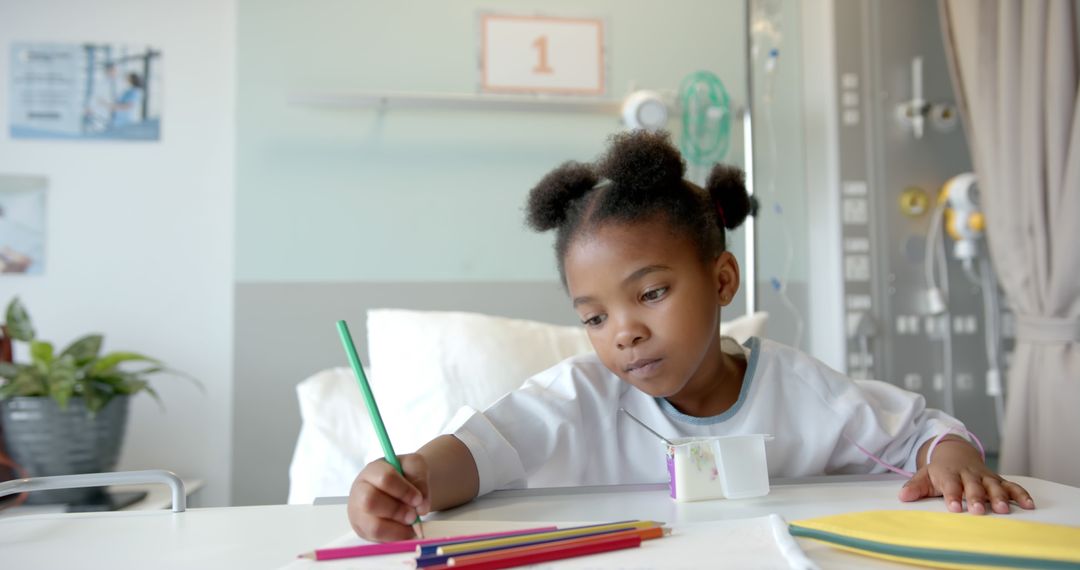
630,335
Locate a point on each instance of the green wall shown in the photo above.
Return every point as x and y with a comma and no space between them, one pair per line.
330,194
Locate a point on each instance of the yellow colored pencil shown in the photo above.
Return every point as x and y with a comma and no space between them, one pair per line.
451,549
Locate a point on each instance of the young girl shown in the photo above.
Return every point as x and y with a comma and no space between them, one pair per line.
642,254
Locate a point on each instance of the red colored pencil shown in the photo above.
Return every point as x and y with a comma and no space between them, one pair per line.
406,545
569,548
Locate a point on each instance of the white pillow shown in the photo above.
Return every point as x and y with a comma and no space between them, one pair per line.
746,326
336,436
425,365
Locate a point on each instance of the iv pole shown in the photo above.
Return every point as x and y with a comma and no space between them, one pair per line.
750,243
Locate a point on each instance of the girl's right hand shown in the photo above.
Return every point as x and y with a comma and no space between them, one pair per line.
383,504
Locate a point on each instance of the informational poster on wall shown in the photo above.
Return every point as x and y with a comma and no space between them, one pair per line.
22,224
541,54
85,91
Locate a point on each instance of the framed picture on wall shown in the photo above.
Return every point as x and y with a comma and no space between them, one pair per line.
85,91
22,224
542,55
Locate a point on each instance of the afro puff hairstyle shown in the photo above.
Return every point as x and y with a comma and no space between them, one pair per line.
639,178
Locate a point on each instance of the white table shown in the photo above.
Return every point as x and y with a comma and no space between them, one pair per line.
271,536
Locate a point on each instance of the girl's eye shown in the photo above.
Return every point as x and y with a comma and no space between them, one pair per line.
654,294
593,321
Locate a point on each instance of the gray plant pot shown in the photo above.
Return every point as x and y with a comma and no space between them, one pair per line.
46,440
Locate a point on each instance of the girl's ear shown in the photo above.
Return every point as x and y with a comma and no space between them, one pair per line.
726,277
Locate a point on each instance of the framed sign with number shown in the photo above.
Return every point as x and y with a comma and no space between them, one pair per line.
541,54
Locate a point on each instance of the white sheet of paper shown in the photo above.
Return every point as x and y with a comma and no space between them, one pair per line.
737,543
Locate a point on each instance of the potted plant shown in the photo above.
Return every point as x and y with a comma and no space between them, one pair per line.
65,412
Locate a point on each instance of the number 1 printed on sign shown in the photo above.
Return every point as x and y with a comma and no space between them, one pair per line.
541,45
541,54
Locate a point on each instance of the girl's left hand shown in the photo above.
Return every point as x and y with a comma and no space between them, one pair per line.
957,473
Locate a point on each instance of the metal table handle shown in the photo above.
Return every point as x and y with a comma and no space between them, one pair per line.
179,497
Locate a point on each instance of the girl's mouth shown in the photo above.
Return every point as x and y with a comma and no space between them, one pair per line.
644,366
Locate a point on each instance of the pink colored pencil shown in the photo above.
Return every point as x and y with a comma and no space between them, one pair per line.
407,545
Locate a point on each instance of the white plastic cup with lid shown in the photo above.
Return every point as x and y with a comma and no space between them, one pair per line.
721,467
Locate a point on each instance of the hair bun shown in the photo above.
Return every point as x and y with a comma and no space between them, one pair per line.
550,199
639,160
727,189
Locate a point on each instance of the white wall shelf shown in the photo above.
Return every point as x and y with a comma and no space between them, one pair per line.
461,101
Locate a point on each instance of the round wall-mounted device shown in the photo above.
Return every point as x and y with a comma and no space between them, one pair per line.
644,110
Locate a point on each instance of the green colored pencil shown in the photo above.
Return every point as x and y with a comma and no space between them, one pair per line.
373,408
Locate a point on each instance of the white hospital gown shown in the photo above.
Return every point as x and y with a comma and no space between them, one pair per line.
563,426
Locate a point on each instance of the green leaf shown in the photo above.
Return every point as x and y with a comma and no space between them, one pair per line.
62,382
84,349
110,361
113,381
95,398
131,383
28,382
8,390
124,383
61,392
33,383
9,370
134,386
41,352
18,322
157,398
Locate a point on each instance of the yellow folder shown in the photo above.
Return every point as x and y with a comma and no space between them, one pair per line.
948,540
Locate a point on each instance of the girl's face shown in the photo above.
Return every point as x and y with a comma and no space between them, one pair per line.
650,304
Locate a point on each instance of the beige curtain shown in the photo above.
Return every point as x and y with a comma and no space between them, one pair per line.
1015,67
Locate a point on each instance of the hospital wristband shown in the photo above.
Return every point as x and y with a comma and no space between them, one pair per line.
958,431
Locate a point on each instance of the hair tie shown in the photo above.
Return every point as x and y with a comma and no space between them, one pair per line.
720,212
